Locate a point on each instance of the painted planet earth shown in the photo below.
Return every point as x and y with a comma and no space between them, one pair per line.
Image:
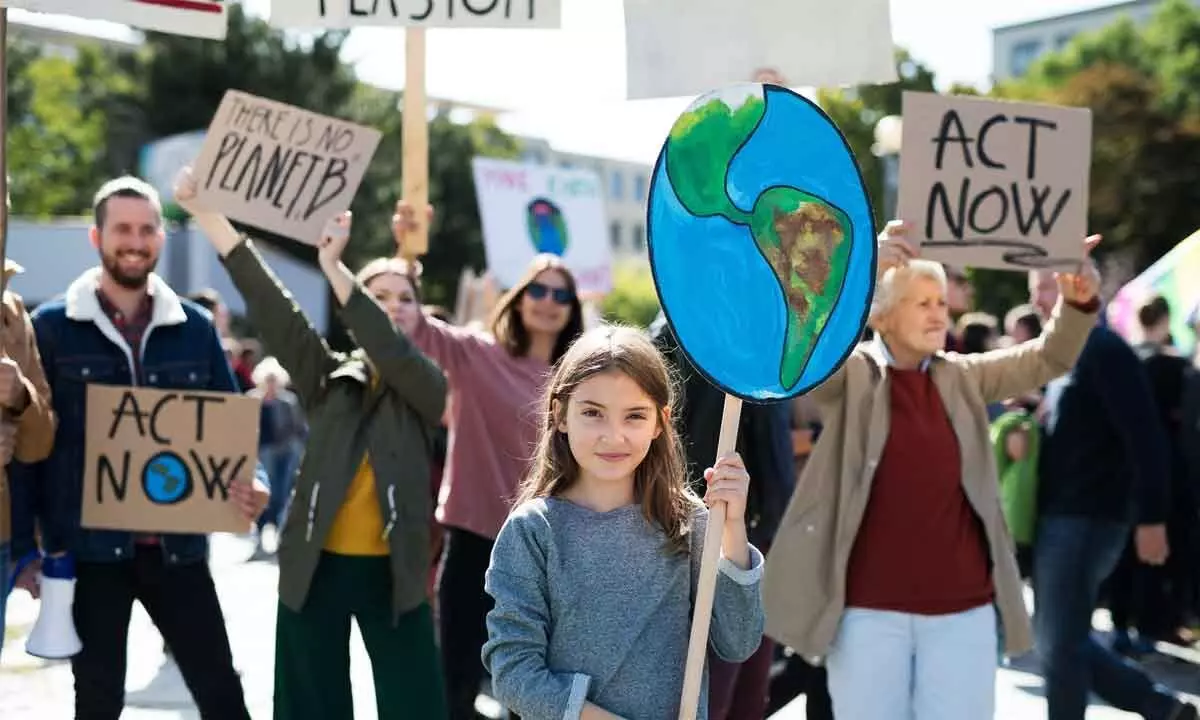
167,479
761,241
547,228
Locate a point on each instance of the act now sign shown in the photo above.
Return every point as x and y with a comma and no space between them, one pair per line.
195,18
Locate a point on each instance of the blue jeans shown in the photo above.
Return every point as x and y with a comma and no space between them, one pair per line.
280,464
4,589
1072,557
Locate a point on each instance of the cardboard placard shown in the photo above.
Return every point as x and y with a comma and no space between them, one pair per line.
338,14
686,47
194,18
162,460
281,168
995,184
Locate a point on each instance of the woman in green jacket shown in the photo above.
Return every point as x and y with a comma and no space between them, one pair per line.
356,540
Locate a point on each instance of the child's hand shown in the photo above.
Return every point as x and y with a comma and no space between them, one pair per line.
728,482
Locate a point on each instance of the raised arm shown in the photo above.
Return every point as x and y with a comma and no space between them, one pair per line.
1001,374
287,332
403,367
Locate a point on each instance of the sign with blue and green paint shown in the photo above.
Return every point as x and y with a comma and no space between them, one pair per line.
761,241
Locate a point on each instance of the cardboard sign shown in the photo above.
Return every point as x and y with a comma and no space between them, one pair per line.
163,460
761,241
195,18
531,209
417,13
995,184
686,47
281,168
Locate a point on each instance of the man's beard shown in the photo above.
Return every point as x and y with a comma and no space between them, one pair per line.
129,281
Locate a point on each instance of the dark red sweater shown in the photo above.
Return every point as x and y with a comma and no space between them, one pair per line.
920,548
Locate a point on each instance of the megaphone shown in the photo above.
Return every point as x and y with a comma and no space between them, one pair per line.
53,636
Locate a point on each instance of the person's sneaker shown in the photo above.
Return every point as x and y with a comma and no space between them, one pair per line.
1185,711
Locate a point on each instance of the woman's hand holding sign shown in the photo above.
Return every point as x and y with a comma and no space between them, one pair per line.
1079,288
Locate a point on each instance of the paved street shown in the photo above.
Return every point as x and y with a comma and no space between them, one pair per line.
33,690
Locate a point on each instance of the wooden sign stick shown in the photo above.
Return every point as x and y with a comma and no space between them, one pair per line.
706,584
3,149
415,139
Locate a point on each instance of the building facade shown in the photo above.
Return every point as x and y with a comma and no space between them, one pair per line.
1016,47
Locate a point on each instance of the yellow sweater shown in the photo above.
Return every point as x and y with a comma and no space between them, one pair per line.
358,527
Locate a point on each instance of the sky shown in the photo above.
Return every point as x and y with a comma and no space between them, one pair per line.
568,85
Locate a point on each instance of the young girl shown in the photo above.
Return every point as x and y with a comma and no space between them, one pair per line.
594,572
496,380
356,541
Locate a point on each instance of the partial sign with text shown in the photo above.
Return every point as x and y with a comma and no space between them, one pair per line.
527,210
417,13
995,184
163,460
281,168
195,18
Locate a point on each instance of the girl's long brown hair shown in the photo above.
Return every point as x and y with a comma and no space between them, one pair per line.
659,484
506,323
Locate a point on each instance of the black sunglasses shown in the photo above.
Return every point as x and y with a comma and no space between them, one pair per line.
538,291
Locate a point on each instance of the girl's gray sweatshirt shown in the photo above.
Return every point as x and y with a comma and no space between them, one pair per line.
591,607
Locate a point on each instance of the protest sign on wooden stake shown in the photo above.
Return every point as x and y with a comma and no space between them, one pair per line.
995,184
417,13
195,18
163,460
281,168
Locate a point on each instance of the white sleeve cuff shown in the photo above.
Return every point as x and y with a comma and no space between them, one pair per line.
579,690
748,576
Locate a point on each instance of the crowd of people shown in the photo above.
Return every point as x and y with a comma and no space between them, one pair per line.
517,507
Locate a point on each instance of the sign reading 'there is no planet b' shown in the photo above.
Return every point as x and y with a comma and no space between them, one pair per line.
281,168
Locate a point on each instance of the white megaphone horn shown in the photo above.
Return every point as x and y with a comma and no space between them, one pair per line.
53,636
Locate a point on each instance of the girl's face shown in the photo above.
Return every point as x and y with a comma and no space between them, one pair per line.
545,306
610,423
395,293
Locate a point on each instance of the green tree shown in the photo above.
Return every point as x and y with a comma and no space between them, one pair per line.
57,127
633,299
1142,85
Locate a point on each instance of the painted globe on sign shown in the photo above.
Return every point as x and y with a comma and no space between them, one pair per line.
167,479
547,227
761,240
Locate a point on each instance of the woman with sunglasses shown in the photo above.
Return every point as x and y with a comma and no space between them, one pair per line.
496,381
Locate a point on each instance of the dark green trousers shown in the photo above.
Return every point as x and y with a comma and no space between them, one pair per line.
312,647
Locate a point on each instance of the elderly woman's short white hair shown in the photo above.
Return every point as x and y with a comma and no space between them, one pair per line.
270,368
889,289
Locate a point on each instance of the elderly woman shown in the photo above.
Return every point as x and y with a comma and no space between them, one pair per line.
893,555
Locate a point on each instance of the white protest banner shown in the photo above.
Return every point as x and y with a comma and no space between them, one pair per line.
281,168
338,14
687,47
195,18
995,184
531,209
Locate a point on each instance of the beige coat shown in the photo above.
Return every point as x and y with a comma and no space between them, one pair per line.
805,581
36,424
